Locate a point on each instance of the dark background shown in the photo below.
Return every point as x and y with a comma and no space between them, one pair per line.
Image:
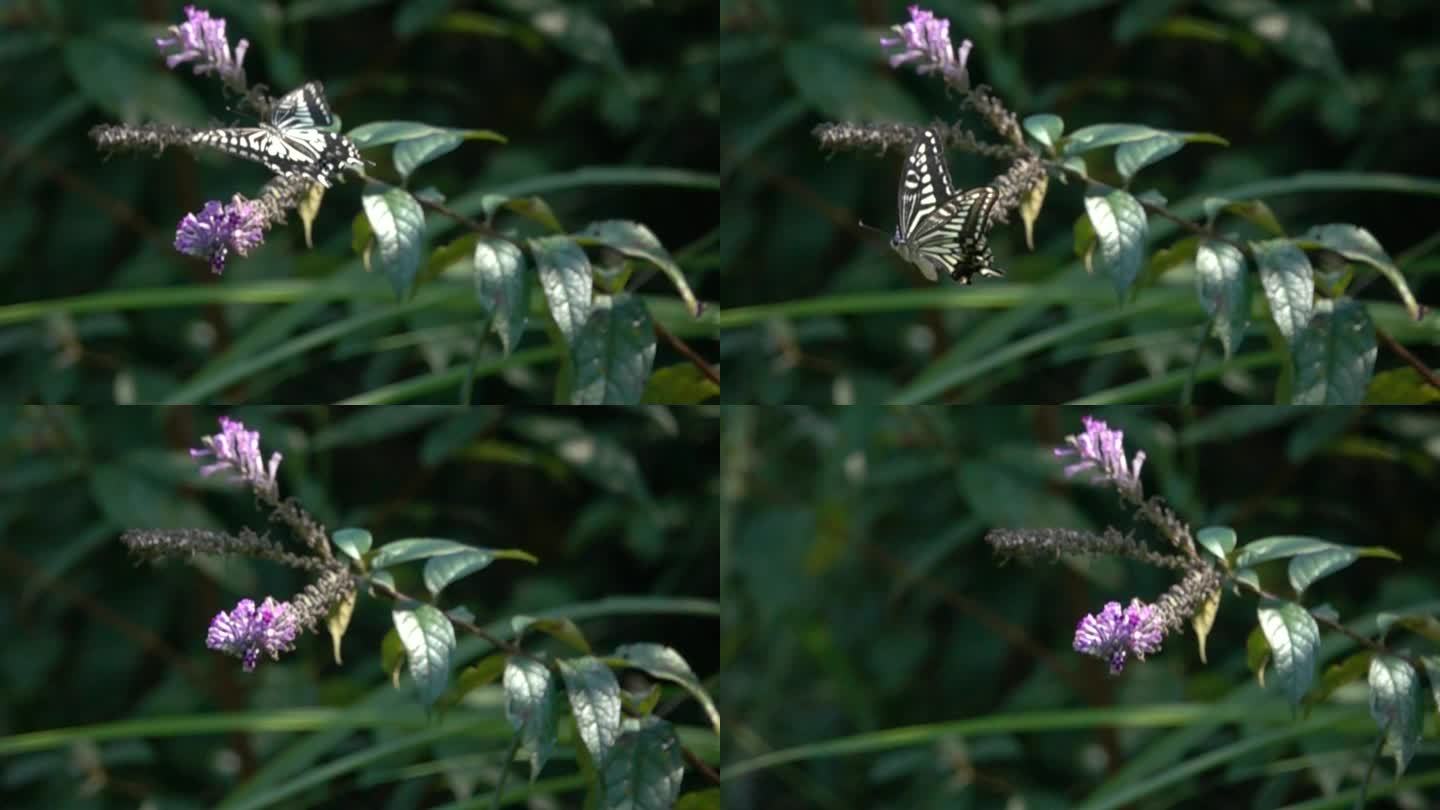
588,83
1348,87
860,598
614,502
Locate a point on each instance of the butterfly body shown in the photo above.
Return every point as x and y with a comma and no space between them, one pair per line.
293,140
939,230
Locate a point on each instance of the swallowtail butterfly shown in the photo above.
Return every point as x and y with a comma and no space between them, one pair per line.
293,141
939,229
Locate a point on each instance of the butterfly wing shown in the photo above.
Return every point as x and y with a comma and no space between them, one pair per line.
953,238
302,108
314,153
924,186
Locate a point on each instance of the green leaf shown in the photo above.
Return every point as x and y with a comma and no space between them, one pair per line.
1218,540
1398,386
637,241
414,548
398,223
1120,227
678,384
666,664
1044,128
482,672
1279,547
1359,245
1289,284
1098,136
429,642
594,698
562,630
1254,211
1132,156
1347,671
446,568
534,209
1394,691
1220,283
1307,568
614,352
354,542
530,706
564,273
379,133
1334,355
1294,640
501,288
392,656
645,769
700,800
413,153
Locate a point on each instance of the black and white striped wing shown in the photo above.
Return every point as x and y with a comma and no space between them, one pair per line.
953,237
924,186
302,108
314,153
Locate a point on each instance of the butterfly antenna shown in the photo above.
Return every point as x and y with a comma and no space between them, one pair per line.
862,224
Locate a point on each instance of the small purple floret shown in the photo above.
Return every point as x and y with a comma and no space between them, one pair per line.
248,631
1114,634
201,39
220,229
1103,450
238,450
925,40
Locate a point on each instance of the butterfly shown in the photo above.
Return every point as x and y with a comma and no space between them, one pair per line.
939,229
293,140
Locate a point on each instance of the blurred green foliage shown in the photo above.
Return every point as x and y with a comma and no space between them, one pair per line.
609,108
1329,109
860,601
618,505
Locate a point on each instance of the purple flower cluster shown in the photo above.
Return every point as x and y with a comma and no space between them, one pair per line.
220,229
1103,450
201,39
1115,634
238,450
248,631
925,40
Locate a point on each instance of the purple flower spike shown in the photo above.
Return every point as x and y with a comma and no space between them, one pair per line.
201,40
1103,449
238,450
247,631
1115,634
220,229
926,41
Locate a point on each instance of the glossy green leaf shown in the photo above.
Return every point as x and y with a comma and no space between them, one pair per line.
414,548
678,384
635,240
1278,547
413,153
564,273
1305,569
594,697
1120,228
562,630
379,133
1334,355
354,542
645,769
1099,136
1218,540
1289,284
614,352
1294,640
666,664
1359,245
447,568
501,287
1394,693
1044,128
1220,283
1132,156
530,706
429,642
398,224
1255,212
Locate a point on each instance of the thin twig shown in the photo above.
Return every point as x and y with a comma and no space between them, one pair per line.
710,372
